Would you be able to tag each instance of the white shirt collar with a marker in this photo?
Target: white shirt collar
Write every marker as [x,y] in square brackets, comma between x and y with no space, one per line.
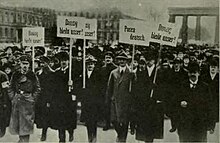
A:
[40,71]
[122,68]
[150,69]
[64,69]
[193,83]
[89,73]
[135,70]
[212,75]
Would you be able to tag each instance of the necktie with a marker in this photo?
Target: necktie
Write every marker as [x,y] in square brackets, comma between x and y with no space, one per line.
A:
[122,72]
[193,85]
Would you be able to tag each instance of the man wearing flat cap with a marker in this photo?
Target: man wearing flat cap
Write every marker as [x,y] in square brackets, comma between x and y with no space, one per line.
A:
[23,92]
[45,76]
[118,94]
[63,103]
[194,103]
[105,72]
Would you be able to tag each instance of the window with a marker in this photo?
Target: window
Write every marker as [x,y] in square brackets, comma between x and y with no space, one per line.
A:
[12,32]
[6,32]
[1,32]
[7,16]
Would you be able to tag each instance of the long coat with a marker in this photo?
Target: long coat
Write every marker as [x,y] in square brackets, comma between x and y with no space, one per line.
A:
[214,88]
[91,98]
[195,119]
[119,95]
[147,113]
[63,107]
[23,92]
[5,104]
[105,73]
[42,113]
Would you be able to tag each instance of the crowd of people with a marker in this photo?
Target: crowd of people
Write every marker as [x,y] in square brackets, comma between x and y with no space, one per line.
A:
[180,83]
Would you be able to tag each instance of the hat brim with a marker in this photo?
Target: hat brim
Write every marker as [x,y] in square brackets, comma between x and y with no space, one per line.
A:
[122,57]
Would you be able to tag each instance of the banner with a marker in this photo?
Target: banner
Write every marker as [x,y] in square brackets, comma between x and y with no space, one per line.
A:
[76,27]
[33,36]
[90,29]
[70,27]
[134,32]
[165,33]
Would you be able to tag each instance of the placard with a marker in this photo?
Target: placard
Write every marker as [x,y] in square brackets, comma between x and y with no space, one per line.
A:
[33,36]
[134,32]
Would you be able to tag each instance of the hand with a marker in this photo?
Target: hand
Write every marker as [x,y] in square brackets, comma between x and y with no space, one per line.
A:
[211,131]
[70,83]
[183,104]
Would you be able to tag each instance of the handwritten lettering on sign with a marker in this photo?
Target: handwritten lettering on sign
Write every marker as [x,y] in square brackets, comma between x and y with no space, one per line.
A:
[33,36]
[166,34]
[133,32]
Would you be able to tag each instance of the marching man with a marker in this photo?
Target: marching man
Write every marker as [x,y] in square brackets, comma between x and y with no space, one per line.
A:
[23,92]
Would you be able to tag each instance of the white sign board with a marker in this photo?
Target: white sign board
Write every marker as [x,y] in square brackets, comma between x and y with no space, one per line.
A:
[134,32]
[33,36]
[70,27]
[90,29]
[76,27]
[165,33]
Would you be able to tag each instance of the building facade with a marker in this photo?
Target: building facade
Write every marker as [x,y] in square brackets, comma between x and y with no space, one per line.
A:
[13,19]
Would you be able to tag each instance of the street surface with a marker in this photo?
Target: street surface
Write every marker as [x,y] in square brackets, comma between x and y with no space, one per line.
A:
[103,136]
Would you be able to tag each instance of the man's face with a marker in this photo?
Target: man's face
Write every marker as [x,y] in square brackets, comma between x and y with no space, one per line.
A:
[90,66]
[176,66]
[142,66]
[135,64]
[64,63]
[7,70]
[213,69]
[150,63]
[25,66]
[186,61]
[122,62]
[43,64]
[108,59]
[194,76]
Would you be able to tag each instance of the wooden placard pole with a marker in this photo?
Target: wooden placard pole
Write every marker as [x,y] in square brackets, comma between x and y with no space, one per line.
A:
[156,70]
[70,64]
[33,54]
[132,63]
[84,63]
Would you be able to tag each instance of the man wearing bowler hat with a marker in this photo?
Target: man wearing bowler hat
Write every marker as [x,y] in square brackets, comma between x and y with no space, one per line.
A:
[118,94]
[23,92]
[63,103]
[194,105]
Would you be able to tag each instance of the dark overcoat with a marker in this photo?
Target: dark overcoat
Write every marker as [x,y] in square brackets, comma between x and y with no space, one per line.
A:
[119,95]
[195,119]
[23,92]
[42,106]
[63,106]
[5,103]
[148,112]
[214,88]
[90,97]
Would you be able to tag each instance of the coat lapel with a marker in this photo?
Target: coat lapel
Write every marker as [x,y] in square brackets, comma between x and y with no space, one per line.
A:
[124,75]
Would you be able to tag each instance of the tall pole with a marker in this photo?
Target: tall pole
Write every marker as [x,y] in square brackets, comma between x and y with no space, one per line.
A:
[70,63]
[132,63]
[84,63]
[33,58]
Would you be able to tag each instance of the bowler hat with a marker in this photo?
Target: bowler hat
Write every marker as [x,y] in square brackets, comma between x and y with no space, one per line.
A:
[122,55]
[45,59]
[25,58]
[90,59]
[193,67]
